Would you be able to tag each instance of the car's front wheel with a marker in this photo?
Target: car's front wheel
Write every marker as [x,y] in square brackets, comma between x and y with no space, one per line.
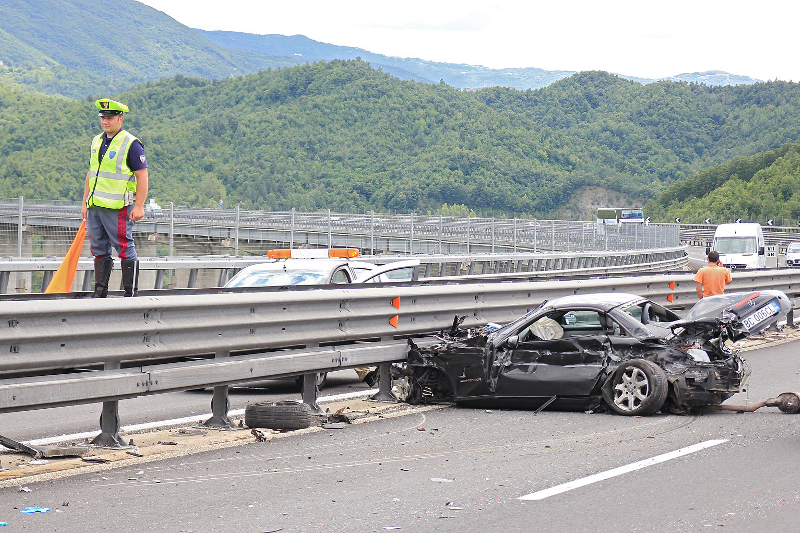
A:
[636,388]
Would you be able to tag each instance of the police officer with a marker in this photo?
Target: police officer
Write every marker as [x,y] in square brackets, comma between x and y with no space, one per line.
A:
[113,198]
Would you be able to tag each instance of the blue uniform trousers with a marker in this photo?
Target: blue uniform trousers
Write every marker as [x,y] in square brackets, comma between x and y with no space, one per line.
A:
[109,228]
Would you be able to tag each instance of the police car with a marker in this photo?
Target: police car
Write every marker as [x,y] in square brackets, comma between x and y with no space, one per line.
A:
[321,267]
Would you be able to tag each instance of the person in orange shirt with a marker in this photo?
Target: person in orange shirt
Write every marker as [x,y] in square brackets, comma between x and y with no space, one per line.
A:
[712,278]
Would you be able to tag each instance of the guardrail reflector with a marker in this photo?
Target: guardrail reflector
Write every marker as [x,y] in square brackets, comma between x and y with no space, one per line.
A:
[393,320]
[396,302]
[669,298]
[671,286]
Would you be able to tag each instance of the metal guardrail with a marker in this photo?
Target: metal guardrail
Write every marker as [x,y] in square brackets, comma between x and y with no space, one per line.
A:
[234,335]
[431,266]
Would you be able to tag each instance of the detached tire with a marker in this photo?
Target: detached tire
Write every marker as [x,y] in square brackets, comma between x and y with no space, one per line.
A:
[278,415]
[636,388]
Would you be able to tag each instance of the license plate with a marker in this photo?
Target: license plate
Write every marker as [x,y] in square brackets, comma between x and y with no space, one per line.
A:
[761,315]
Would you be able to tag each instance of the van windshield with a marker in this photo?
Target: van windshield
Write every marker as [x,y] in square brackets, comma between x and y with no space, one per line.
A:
[735,245]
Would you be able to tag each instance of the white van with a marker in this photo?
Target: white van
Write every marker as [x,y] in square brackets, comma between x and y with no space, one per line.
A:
[740,245]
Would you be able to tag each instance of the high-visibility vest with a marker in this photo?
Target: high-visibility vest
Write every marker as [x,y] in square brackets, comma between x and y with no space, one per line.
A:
[110,179]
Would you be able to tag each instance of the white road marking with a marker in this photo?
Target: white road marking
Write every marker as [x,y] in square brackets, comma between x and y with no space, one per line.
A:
[588,480]
[185,420]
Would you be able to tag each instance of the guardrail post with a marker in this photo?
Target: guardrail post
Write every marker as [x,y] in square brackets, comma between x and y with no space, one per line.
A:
[109,419]
[220,404]
[19,228]
[236,247]
[88,278]
[385,384]
[4,281]
[310,392]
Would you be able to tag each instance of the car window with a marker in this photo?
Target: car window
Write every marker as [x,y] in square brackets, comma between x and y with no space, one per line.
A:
[340,276]
[260,279]
[574,323]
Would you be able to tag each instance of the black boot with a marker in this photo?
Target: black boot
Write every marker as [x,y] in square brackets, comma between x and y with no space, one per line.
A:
[102,272]
[130,277]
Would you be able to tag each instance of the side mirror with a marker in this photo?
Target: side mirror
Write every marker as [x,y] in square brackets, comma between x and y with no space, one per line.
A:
[513,341]
[761,251]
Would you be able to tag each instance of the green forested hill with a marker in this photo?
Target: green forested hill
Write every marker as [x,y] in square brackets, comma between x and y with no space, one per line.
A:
[77,47]
[344,136]
[756,188]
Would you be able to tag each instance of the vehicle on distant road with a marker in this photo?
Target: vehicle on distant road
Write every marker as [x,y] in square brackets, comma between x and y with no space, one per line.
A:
[612,351]
[740,245]
[793,255]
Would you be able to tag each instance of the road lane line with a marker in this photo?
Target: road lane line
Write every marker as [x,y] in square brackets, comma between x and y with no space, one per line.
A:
[185,420]
[588,480]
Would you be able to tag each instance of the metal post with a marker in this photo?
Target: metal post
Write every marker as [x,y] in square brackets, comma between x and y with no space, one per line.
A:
[310,393]
[385,384]
[109,418]
[553,236]
[236,248]
[411,235]
[535,227]
[291,232]
[220,403]
[372,232]
[468,235]
[171,229]
[330,238]
[493,234]
[19,228]
[440,233]
[515,234]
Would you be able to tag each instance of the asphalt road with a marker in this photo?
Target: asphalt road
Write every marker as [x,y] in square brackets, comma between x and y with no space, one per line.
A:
[465,470]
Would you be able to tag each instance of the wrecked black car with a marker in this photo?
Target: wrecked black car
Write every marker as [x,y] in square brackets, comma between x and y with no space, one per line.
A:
[594,351]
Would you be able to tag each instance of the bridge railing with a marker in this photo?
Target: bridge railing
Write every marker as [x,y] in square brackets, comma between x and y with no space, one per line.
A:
[38,225]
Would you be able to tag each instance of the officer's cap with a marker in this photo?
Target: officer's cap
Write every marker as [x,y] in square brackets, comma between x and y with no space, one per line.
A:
[109,108]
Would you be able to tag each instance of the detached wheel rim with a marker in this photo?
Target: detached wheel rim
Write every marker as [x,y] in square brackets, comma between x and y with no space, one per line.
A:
[633,388]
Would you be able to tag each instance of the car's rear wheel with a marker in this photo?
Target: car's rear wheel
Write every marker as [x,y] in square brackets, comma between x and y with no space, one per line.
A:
[636,388]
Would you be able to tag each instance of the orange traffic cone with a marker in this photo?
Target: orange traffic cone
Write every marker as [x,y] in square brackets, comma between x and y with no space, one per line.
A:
[62,279]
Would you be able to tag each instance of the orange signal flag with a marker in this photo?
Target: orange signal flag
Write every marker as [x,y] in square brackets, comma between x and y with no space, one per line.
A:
[62,279]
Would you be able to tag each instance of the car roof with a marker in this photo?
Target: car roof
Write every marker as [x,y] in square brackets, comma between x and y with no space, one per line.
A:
[602,301]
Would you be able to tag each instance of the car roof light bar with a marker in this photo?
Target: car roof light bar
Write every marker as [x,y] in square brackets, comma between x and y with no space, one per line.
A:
[318,253]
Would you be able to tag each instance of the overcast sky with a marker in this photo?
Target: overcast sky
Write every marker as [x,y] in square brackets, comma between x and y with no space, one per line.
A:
[644,38]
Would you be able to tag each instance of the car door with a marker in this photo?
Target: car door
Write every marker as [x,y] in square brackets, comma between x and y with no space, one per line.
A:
[567,364]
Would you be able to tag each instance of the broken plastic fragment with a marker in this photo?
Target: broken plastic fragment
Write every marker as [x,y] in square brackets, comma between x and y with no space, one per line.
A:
[35,509]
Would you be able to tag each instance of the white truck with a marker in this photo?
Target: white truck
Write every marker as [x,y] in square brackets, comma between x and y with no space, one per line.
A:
[740,245]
